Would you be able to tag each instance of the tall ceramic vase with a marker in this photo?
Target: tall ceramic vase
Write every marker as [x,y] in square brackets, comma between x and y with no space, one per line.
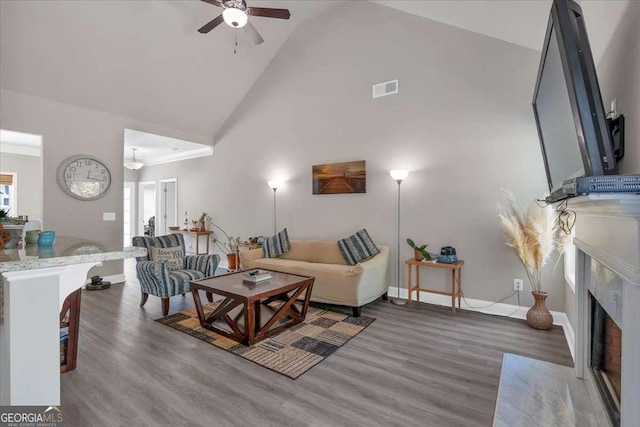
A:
[538,316]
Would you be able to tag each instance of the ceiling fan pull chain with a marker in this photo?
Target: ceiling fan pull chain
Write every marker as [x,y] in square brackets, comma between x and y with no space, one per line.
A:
[235,40]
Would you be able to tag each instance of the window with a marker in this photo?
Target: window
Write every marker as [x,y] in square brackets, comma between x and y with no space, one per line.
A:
[8,191]
[570,264]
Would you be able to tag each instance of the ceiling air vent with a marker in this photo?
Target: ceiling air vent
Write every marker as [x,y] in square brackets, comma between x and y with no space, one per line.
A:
[386,88]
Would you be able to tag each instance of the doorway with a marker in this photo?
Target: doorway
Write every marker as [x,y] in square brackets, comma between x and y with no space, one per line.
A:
[146,208]
[168,205]
[21,177]
[129,214]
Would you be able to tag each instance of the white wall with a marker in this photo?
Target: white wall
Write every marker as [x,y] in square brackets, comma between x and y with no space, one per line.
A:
[29,179]
[462,123]
[69,130]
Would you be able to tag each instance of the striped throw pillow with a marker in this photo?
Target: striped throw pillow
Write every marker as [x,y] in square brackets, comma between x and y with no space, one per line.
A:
[276,245]
[358,247]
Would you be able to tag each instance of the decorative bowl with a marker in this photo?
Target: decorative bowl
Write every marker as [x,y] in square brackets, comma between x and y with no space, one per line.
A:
[174,228]
[47,238]
[31,237]
[434,258]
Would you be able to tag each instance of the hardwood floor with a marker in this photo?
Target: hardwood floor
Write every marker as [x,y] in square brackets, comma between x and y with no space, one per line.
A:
[411,367]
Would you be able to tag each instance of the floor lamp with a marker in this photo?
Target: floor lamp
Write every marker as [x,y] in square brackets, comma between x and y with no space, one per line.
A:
[274,186]
[399,176]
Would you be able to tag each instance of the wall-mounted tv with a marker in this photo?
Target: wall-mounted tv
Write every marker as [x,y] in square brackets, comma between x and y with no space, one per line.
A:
[567,104]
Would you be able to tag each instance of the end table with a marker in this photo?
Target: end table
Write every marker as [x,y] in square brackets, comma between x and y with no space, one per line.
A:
[456,278]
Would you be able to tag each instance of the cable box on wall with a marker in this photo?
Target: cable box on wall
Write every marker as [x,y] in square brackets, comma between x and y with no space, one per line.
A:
[602,184]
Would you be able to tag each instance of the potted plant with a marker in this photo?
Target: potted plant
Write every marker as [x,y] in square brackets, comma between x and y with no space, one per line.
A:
[228,245]
[420,252]
[202,222]
[534,234]
[4,214]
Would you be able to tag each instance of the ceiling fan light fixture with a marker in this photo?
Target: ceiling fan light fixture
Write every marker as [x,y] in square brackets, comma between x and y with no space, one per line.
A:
[234,17]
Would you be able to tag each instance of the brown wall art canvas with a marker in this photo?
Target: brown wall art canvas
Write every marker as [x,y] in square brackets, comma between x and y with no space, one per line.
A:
[340,178]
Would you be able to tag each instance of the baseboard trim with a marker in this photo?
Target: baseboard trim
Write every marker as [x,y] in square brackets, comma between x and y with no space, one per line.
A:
[115,278]
[495,309]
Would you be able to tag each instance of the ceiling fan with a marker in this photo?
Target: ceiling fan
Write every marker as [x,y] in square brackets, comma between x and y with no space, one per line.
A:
[236,15]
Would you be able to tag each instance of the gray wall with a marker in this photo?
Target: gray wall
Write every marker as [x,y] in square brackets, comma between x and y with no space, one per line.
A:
[29,170]
[462,123]
[619,77]
[68,130]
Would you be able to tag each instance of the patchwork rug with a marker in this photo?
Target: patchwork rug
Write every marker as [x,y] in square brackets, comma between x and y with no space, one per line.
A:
[293,351]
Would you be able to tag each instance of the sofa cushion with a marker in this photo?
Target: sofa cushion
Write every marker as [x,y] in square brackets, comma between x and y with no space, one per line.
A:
[173,257]
[320,251]
[276,245]
[180,280]
[358,247]
[338,273]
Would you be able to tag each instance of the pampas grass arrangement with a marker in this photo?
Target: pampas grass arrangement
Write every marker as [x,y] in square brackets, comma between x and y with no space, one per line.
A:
[534,234]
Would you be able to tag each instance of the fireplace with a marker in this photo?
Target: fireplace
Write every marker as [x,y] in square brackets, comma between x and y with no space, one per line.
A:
[607,290]
[606,358]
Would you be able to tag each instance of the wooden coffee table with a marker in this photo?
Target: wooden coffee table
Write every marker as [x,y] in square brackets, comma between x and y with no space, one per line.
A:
[245,313]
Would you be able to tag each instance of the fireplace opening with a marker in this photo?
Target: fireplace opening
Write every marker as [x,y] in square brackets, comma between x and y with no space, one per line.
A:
[606,359]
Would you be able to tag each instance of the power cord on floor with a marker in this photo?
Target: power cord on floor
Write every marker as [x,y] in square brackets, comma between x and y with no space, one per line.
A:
[496,302]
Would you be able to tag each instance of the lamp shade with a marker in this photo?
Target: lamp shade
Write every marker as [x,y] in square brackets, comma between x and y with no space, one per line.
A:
[134,166]
[274,184]
[399,174]
[235,18]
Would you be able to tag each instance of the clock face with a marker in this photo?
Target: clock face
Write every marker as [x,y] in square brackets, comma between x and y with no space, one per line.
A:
[84,177]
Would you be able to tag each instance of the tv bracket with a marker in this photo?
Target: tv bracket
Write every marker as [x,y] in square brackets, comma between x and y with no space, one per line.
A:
[616,128]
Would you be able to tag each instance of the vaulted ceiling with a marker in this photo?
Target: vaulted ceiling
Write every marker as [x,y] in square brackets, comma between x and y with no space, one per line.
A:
[139,59]
[145,59]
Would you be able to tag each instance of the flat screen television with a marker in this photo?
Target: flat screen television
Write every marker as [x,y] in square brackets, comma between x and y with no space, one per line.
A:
[570,117]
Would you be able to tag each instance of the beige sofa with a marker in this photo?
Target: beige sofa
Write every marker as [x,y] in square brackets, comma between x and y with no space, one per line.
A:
[336,282]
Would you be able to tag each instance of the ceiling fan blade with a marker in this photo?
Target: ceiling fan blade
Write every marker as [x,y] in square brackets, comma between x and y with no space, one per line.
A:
[211,25]
[269,13]
[213,2]
[255,37]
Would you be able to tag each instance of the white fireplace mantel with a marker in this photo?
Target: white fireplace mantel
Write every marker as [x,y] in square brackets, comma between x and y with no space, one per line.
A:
[608,231]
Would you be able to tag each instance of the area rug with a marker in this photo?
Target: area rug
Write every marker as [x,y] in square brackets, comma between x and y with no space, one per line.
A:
[293,351]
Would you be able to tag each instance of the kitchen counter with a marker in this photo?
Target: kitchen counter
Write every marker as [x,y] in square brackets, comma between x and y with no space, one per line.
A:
[36,280]
[65,251]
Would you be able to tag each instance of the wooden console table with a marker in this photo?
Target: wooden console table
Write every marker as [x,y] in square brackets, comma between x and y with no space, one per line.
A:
[198,234]
[456,278]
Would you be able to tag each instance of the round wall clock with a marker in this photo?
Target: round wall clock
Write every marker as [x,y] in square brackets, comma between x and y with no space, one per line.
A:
[84,177]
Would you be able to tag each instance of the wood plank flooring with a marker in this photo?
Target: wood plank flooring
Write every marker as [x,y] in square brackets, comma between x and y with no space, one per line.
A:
[411,367]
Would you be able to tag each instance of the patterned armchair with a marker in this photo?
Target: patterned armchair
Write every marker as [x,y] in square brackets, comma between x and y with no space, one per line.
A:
[157,280]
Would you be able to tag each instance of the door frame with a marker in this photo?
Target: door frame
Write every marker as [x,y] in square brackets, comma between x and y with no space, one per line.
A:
[140,211]
[160,214]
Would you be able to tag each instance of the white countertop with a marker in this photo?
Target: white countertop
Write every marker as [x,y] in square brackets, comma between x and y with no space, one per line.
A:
[65,251]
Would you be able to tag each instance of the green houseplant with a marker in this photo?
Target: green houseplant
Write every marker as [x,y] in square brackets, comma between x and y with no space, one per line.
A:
[4,214]
[420,252]
[228,245]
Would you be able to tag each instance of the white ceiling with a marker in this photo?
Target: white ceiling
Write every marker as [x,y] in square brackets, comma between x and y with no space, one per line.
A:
[139,59]
[157,149]
[522,22]
[20,143]
[145,59]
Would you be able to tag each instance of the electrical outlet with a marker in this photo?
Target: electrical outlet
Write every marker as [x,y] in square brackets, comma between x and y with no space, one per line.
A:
[518,285]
